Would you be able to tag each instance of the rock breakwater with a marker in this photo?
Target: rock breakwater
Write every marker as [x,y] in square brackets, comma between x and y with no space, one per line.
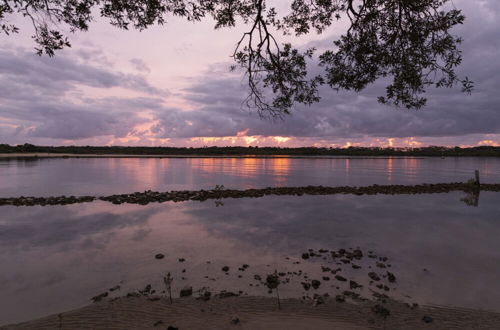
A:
[149,196]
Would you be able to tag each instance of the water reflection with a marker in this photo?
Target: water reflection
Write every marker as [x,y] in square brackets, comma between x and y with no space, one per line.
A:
[471,198]
[56,258]
[46,177]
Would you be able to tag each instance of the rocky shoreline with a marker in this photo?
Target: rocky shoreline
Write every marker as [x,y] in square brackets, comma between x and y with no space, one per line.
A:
[219,192]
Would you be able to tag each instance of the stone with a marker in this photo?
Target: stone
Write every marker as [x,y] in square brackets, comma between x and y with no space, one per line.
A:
[374,276]
[391,277]
[116,287]
[99,297]
[227,294]
[186,291]
[381,310]
[159,256]
[340,278]
[427,319]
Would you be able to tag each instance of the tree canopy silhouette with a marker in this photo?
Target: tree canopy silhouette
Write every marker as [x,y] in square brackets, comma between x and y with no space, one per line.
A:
[408,42]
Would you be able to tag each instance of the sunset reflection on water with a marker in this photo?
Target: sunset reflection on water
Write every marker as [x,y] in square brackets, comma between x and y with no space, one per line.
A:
[104,176]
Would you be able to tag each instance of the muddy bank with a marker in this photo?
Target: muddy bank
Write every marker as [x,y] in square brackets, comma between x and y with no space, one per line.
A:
[259,313]
[220,192]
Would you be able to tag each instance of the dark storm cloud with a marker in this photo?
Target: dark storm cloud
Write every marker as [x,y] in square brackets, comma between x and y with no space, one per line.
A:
[36,96]
[59,74]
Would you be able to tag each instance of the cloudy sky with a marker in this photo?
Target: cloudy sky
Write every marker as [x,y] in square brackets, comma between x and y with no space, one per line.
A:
[171,86]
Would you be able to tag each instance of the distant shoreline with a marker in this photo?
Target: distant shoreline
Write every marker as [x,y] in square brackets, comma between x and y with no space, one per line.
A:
[29,150]
[69,155]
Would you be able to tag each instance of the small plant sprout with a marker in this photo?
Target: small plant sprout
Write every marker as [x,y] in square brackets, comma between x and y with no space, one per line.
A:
[168,284]
[272,282]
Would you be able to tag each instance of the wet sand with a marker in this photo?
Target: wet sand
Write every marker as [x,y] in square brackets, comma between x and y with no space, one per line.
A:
[258,313]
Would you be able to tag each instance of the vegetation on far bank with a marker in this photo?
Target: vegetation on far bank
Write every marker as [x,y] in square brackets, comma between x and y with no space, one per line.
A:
[482,151]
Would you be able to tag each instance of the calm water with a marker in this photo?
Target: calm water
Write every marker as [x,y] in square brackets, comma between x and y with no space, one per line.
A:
[102,176]
[56,258]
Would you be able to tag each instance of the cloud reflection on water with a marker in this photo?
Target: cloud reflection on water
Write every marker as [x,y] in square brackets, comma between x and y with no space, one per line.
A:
[55,258]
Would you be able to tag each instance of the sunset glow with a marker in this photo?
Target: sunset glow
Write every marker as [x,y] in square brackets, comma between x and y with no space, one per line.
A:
[181,93]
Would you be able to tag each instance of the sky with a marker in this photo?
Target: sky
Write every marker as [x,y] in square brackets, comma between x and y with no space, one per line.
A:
[171,86]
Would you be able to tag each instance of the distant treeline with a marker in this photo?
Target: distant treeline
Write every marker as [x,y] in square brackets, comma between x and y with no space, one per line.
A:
[485,151]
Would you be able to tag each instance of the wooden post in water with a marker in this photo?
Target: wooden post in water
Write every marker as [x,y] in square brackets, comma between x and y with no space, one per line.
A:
[477,177]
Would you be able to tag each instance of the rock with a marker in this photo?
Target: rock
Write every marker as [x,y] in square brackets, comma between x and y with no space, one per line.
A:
[354,285]
[380,296]
[374,276]
[159,256]
[99,297]
[157,323]
[340,278]
[339,298]
[205,296]
[318,300]
[147,290]
[305,255]
[315,284]
[335,271]
[225,269]
[326,278]
[235,320]
[355,266]
[116,287]
[391,277]
[133,294]
[182,259]
[227,294]
[306,286]
[381,310]
[172,328]
[427,319]
[186,291]
[357,254]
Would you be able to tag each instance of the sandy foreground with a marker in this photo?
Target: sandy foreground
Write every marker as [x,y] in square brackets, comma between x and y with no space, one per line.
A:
[258,313]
